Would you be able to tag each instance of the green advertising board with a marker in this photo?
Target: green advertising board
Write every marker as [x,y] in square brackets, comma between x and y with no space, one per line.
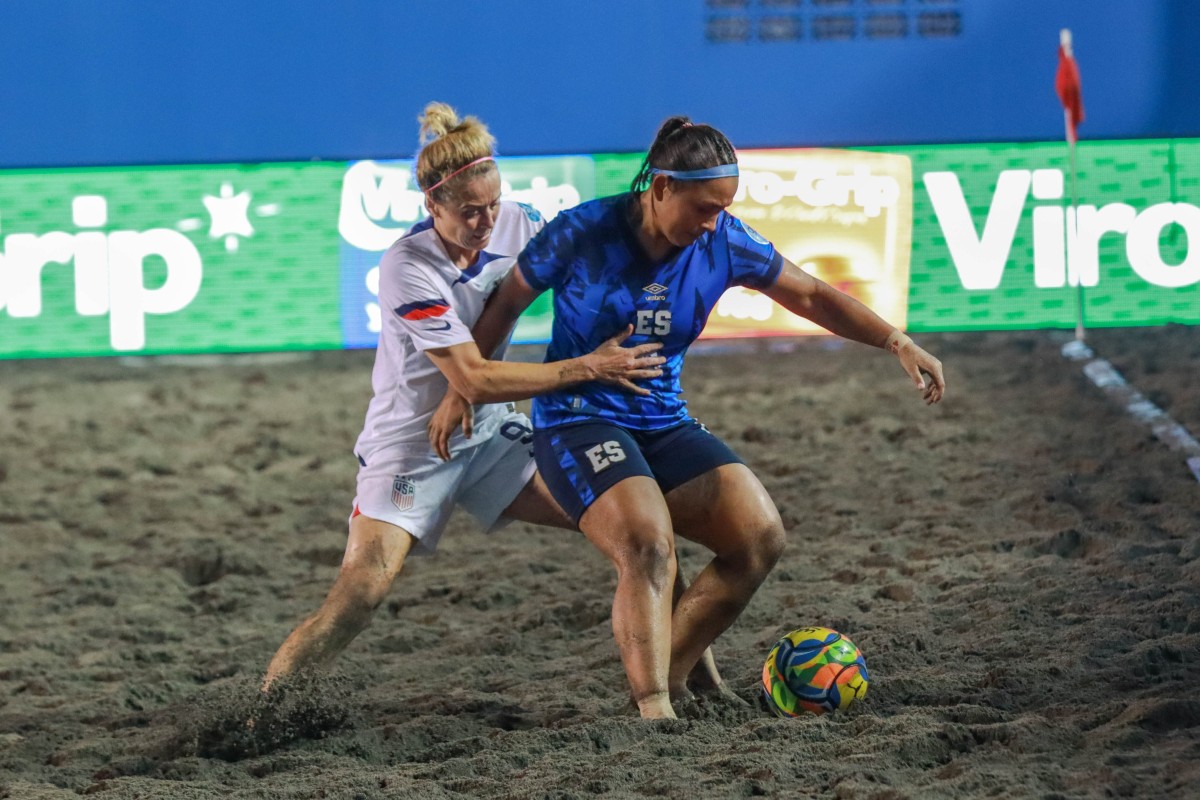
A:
[226,258]
[169,259]
[615,171]
[991,248]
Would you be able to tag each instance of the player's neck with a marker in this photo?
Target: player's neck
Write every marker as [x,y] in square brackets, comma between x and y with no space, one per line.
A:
[654,244]
[459,257]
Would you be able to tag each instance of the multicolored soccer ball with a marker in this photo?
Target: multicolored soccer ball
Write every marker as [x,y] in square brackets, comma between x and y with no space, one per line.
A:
[813,670]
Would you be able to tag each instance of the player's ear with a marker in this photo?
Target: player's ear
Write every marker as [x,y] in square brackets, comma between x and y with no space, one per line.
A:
[432,207]
[660,186]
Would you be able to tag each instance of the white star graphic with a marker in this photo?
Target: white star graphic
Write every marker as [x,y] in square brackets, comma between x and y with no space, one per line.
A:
[230,216]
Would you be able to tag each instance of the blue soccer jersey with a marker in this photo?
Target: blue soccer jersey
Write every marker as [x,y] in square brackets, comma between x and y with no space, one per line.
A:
[602,282]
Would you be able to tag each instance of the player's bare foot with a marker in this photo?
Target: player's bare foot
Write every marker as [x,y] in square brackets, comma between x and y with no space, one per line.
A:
[723,694]
[704,679]
[678,693]
[656,706]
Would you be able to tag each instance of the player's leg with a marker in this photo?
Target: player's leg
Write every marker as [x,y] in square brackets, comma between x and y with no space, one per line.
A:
[535,504]
[716,501]
[630,525]
[374,556]
[598,475]
[403,501]
[728,511]
[704,677]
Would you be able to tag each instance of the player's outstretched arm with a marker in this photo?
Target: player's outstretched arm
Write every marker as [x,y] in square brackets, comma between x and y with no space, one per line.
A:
[917,363]
[841,314]
[479,380]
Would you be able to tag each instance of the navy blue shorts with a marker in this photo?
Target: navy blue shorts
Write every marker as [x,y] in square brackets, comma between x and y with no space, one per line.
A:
[581,461]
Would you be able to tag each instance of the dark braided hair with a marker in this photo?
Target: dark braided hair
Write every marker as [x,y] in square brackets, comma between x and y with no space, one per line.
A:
[680,145]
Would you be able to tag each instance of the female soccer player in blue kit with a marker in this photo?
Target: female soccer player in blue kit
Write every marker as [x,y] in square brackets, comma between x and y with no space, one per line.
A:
[628,468]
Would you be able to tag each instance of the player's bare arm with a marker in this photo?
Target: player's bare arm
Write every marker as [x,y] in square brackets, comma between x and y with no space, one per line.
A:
[841,314]
[499,317]
[451,412]
[476,379]
[480,380]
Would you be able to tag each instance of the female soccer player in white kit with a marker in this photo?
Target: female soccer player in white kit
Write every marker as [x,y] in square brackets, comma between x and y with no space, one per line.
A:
[433,284]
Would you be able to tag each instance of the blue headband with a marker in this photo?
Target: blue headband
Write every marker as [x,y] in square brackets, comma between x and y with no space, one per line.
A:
[721,171]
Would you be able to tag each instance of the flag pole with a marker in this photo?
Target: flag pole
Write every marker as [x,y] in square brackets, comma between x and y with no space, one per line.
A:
[1072,238]
[1072,213]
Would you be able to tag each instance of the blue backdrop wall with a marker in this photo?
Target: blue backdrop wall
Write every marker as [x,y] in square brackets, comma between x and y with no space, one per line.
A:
[169,81]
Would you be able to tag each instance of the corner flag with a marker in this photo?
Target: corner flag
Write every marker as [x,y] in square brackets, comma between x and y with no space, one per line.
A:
[1066,83]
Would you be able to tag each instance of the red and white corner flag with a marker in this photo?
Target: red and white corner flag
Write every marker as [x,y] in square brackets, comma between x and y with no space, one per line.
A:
[1066,83]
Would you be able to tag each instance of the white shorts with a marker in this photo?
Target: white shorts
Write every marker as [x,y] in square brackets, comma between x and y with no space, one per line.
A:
[417,490]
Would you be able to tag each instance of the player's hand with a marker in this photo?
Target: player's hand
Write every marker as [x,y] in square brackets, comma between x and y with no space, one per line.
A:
[621,366]
[453,411]
[924,369]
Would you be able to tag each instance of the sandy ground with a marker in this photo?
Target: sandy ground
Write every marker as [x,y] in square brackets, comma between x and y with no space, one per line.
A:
[1021,567]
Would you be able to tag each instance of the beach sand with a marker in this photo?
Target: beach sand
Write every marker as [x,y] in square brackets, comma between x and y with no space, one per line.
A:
[1020,566]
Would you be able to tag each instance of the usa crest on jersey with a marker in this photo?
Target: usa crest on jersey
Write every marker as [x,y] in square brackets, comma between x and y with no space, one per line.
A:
[404,492]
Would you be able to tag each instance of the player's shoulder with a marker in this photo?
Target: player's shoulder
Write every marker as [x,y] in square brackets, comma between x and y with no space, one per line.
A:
[417,239]
[589,214]
[516,224]
[417,250]
[603,208]
[521,212]
[736,228]
[519,219]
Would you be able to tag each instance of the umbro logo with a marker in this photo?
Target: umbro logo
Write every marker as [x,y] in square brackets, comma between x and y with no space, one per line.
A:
[657,292]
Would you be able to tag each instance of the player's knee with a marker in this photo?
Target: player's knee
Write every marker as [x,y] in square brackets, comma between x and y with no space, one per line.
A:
[358,594]
[370,595]
[768,545]
[760,545]
[649,553]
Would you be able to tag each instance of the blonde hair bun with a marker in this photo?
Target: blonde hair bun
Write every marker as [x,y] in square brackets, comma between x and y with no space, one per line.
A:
[437,120]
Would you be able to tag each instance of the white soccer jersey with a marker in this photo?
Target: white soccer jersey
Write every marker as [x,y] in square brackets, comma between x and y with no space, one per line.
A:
[427,302]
